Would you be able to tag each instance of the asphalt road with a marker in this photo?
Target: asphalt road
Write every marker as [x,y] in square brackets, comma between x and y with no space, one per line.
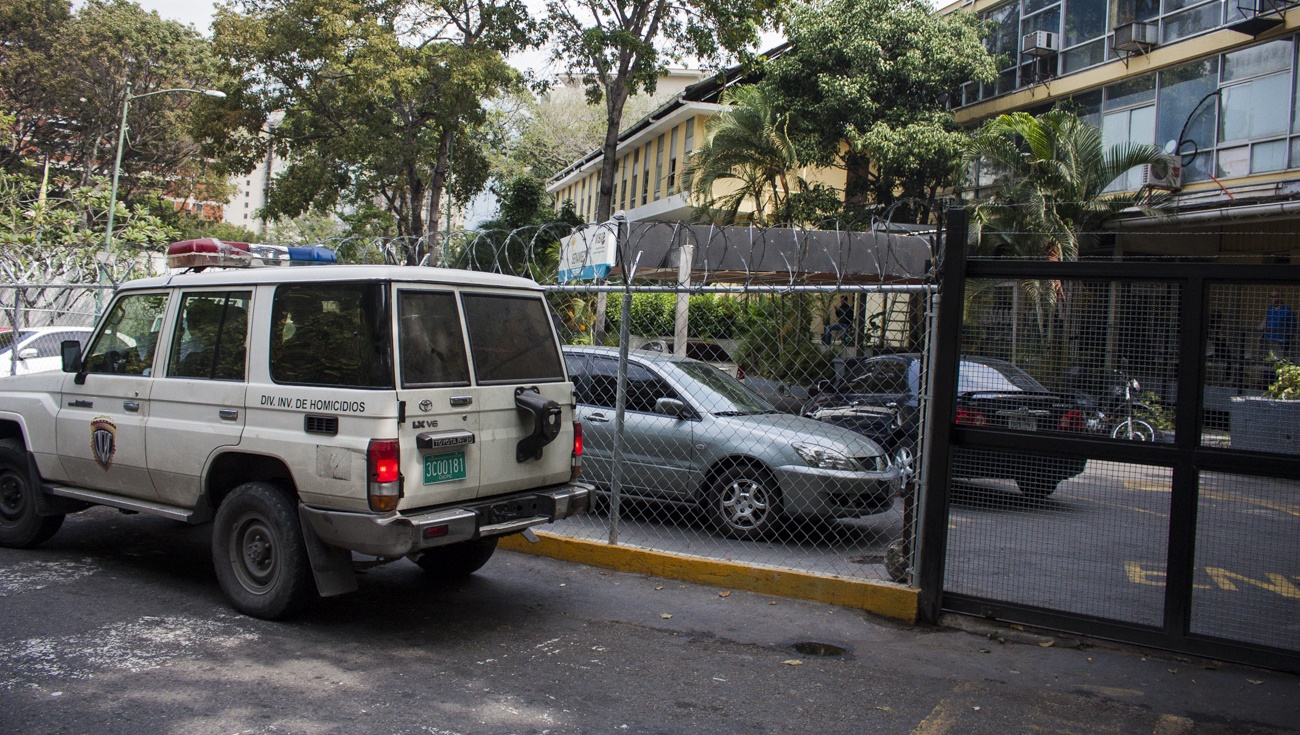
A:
[117,626]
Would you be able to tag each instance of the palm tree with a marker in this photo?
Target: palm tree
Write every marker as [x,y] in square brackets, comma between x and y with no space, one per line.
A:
[1051,200]
[747,150]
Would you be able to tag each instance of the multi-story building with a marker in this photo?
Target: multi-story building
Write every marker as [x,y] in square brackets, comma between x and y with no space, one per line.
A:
[1212,82]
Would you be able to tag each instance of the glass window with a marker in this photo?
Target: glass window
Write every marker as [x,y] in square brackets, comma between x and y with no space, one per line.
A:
[1192,21]
[1135,91]
[1127,11]
[1033,6]
[1048,20]
[1270,156]
[672,161]
[511,339]
[1250,111]
[645,177]
[1084,20]
[659,167]
[129,338]
[1128,126]
[1234,161]
[880,377]
[1087,106]
[1182,89]
[1256,60]
[211,338]
[1083,56]
[430,339]
[335,334]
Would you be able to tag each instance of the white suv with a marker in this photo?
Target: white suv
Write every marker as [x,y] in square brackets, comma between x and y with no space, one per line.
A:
[309,413]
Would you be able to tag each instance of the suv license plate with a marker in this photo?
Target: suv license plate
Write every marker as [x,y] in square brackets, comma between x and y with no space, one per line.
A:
[1022,424]
[444,467]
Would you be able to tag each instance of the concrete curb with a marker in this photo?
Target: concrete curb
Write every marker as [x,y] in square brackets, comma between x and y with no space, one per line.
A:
[880,598]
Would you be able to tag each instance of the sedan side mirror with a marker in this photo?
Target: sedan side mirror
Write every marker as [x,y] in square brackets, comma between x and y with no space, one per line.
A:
[70,350]
[672,407]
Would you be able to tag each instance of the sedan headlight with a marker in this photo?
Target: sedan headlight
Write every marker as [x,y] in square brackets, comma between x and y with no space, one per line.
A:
[826,459]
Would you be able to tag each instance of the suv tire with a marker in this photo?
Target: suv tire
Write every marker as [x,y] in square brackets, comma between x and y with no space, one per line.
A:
[744,503]
[457,561]
[20,526]
[259,553]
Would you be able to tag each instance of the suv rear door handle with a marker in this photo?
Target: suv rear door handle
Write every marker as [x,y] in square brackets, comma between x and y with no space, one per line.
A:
[461,401]
[228,414]
[597,417]
[131,406]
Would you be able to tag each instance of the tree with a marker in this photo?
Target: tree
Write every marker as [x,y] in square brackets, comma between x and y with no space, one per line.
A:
[1050,200]
[620,47]
[876,74]
[64,75]
[747,151]
[524,236]
[377,97]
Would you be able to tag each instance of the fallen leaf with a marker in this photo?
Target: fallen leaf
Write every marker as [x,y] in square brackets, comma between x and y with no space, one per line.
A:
[659,587]
[882,708]
[1173,671]
[792,662]
[724,594]
[771,603]
[1017,626]
[984,650]
[665,616]
[977,709]
[1255,681]
[1047,644]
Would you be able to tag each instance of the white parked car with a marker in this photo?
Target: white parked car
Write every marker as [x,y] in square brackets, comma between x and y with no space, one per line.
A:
[35,350]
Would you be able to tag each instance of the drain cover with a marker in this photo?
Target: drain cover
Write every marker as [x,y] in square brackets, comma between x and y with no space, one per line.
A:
[817,648]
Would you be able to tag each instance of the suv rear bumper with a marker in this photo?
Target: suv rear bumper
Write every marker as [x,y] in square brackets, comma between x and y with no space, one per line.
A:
[396,535]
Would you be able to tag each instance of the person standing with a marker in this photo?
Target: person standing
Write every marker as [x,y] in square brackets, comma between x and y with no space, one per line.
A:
[1279,327]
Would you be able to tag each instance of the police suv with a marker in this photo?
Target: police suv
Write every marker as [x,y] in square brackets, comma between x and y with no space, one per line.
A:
[309,413]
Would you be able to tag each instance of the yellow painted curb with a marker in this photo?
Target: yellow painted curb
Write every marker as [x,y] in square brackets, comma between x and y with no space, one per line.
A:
[888,600]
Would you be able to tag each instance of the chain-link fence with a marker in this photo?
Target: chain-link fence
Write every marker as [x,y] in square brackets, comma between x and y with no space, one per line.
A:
[36,318]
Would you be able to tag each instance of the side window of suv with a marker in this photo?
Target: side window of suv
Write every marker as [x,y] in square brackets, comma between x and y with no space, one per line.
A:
[512,339]
[331,334]
[211,337]
[430,339]
[127,343]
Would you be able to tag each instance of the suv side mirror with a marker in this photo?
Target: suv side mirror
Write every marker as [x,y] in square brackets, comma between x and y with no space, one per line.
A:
[70,350]
[672,407]
[28,353]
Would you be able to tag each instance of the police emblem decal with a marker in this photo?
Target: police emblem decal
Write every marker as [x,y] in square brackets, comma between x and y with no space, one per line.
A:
[103,441]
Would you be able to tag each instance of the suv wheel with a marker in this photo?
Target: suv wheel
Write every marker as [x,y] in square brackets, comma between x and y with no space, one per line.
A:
[744,503]
[20,526]
[457,561]
[259,553]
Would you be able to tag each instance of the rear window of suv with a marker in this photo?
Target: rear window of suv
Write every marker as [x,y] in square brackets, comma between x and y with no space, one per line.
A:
[333,334]
[511,340]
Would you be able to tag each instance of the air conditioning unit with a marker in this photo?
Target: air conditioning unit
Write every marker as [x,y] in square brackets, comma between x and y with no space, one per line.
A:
[1040,43]
[1167,176]
[1136,37]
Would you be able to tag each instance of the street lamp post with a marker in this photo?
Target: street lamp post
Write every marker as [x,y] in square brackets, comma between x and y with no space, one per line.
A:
[117,163]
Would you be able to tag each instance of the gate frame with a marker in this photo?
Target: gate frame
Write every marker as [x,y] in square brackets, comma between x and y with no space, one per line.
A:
[1186,456]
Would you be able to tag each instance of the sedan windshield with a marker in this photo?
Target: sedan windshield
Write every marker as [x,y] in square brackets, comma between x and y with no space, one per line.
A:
[719,393]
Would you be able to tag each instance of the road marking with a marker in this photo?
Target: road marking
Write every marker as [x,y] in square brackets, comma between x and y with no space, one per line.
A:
[1147,485]
[1154,575]
[945,714]
[1238,497]
[1173,725]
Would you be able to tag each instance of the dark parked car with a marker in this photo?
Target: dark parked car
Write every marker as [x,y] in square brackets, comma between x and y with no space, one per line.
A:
[878,397]
[694,434]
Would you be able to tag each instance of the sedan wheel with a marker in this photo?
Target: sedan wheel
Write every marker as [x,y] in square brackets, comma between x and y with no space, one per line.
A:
[744,503]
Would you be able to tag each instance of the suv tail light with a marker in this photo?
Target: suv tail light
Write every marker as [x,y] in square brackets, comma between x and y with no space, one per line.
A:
[577,450]
[383,470]
[971,417]
[740,373]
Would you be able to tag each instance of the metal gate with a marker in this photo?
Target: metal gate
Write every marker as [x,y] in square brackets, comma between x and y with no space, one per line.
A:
[1104,457]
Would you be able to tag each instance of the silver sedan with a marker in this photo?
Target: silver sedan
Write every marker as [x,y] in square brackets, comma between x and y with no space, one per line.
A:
[694,434]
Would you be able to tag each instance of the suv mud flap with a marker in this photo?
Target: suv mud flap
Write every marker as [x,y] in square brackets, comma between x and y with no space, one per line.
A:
[331,566]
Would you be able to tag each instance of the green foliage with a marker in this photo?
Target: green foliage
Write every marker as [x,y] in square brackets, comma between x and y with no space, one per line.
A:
[1160,416]
[746,152]
[1287,385]
[48,240]
[710,316]
[524,237]
[777,341]
[381,102]
[620,47]
[65,76]
[878,73]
